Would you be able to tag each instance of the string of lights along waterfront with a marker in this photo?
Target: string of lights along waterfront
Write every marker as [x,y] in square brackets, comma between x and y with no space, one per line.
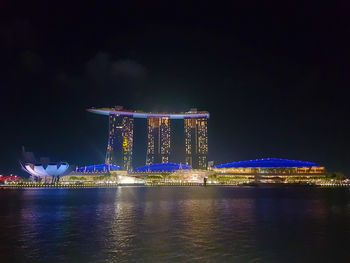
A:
[121,134]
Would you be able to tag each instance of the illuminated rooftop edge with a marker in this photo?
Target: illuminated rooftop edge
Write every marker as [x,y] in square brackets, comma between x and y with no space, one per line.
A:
[268,163]
[144,115]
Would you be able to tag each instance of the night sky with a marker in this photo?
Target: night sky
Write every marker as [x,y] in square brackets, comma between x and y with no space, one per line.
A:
[274,77]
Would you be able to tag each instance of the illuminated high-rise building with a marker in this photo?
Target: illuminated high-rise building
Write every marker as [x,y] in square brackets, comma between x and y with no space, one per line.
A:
[196,142]
[120,141]
[158,140]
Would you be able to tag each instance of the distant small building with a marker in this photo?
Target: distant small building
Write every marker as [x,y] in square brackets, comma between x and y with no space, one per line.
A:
[10,179]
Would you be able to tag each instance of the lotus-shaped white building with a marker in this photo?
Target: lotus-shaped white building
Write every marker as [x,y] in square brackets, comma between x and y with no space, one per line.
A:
[52,169]
[49,171]
[45,169]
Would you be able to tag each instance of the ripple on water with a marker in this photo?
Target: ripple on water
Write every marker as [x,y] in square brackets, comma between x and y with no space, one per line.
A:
[176,224]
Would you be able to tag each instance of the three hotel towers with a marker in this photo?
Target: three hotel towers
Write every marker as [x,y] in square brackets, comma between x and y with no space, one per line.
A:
[121,134]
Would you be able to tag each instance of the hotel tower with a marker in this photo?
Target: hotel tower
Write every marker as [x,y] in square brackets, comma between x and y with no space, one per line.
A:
[196,142]
[120,141]
[158,140]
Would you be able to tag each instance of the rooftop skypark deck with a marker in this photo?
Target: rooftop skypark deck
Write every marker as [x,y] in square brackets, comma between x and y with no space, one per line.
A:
[145,115]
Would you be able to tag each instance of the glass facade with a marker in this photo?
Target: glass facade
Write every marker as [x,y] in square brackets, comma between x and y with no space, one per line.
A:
[120,141]
[196,142]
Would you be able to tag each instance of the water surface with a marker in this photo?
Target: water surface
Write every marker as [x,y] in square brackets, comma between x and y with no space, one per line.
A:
[176,224]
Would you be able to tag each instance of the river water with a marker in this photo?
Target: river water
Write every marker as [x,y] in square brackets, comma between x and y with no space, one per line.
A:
[176,224]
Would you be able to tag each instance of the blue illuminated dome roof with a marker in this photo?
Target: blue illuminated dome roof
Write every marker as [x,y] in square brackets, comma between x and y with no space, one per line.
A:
[267,163]
[162,167]
[98,168]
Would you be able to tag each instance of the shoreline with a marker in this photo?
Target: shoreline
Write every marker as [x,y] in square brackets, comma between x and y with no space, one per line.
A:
[77,186]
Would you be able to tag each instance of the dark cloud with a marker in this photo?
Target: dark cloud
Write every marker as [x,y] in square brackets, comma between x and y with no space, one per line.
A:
[103,68]
[128,68]
[102,74]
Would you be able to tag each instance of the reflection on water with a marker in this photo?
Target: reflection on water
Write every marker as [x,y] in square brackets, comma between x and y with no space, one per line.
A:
[175,224]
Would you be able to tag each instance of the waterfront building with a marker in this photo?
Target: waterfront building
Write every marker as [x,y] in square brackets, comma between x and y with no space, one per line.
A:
[172,173]
[45,169]
[270,168]
[105,174]
[158,136]
[161,168]
[120,140]
[10,179]
[196,142]
[97,169]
